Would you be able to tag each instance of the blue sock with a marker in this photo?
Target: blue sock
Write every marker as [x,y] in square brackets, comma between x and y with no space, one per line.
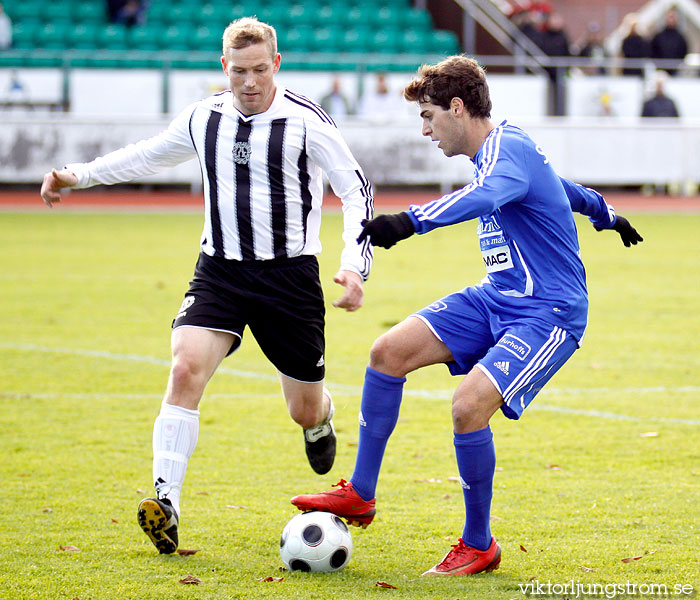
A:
[379,411]
[476,460]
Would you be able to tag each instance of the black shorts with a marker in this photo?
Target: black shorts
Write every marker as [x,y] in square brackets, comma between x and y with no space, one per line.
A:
[281,300]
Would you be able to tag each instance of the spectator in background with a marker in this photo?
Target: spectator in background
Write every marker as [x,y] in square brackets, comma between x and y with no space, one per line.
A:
[635,45]
[660,105]
[335,103]
[555,43]
[131,13]
[528,22]
[669,43]
[5,29]
[593,48]
[379,103]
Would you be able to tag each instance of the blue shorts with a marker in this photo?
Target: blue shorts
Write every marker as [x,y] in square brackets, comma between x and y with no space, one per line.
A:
[519,354]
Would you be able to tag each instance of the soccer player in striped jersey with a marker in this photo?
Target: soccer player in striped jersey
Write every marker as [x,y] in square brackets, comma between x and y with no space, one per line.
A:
[262,150]
[510,333]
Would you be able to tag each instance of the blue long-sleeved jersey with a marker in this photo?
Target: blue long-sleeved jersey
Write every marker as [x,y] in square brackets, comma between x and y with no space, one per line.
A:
[526,228]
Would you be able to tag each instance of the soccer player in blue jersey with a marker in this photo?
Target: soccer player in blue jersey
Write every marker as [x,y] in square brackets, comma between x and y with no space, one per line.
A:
[510,333]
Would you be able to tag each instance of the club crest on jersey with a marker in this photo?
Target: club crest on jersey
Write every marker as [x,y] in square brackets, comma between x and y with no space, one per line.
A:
[241,153]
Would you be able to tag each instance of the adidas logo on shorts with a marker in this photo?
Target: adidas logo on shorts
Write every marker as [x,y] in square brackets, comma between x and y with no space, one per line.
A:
[502,365]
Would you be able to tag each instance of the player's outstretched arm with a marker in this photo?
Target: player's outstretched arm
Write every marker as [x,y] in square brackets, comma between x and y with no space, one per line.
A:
[54,182]
[386,230]
[352,298]
[628,234]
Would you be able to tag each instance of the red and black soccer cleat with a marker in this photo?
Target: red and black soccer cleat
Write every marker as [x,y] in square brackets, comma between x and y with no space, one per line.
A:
[465,560]
[344,502]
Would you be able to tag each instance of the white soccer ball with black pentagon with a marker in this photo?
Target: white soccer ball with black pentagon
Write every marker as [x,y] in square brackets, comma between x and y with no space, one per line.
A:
[316,541]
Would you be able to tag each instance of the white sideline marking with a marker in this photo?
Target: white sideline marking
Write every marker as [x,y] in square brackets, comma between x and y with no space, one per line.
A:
[356,390]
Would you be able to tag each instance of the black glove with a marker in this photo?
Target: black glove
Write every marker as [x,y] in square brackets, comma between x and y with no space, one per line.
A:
[386,230]
[628,234]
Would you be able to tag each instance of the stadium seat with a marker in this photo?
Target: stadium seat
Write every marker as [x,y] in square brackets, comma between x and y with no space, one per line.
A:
[414,18]
[112,37]
[415,42]
[182,14]
[82,36]
[26,11]
[25,34]
[206,38]
[90,12]
[144,37]
[177,37]
[386,41]
[327,39]
[444,42]
[52,36]
[296,39]
[58,12]
[357,39]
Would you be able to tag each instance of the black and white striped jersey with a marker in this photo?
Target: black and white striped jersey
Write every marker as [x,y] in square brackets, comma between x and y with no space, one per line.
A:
[262,176]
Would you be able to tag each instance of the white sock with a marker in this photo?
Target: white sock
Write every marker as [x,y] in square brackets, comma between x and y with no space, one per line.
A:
[175,435]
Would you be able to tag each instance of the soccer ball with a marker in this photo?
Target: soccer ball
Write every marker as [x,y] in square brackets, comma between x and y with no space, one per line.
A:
[316,541]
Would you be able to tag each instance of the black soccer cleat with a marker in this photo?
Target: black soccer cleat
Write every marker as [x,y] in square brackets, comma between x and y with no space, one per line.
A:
[159,521]
[320,443]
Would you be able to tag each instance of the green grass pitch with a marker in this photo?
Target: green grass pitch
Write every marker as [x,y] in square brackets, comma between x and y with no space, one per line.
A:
[604,466]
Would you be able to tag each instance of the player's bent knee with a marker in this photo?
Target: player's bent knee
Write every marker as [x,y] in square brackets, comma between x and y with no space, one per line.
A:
[387,357]
[186,375]
[472,413]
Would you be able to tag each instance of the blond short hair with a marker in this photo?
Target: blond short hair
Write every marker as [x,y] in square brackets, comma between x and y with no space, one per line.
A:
[247,31]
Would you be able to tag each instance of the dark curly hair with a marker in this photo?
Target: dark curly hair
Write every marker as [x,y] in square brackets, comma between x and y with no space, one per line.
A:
[455,77]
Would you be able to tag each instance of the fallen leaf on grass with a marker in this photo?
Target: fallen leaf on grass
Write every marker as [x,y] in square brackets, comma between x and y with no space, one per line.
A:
[191,580]
[523,548]
[186,552]
[236,507]
[553,467]
[587,569]
[626,560]
[495,518]
[140,491]
[70,548]
[47,510]
[649,434]
[384,584]
[270,578]
[202,493]
[351,443]
[455,479]
[115,521]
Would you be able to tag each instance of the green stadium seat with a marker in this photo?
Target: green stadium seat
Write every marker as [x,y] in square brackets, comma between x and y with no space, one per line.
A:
[444,42]
[158,13]
[182,14]
[413,41]
[386,41]
[332,15]
[387,16]
[25,34]
[357,39]
[52,36]
[112,37]
[177,37]
[206,38]
[90,12]
[296,39]
[58,12]
[327,39]
[83,36]
[277,16]
[26,11]
[144,37]
[414,18]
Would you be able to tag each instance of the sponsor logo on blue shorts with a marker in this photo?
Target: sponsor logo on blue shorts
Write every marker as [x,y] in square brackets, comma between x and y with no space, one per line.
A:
[514,345]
